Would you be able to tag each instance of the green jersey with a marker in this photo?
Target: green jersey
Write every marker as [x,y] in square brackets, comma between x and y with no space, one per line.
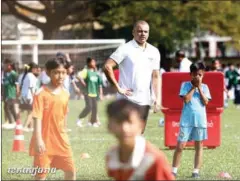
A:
[9,85]
[232,77]
[93,82]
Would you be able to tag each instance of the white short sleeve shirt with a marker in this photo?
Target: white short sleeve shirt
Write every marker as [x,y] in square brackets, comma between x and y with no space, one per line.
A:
[29,82]
[135,70]
[185,65]
[19,81]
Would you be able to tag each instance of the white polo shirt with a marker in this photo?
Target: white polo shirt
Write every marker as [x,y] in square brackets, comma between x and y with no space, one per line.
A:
[185,65]
[135,70]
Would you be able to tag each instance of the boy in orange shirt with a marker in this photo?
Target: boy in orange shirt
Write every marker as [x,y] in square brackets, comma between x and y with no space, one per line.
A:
[49,144]
[133,158]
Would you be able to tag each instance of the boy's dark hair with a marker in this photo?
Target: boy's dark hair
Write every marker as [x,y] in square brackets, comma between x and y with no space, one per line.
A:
[214,61]
[10,62]
[121,109]
[180,53]
[7,61]
[197,66]
[55,63]
[32,65]
[88,60]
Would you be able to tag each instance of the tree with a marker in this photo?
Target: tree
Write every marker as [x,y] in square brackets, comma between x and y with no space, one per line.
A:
[54,14]
[174,23]
[59,13]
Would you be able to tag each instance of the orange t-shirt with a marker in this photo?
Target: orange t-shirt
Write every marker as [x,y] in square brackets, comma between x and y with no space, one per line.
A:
[146,163]
[51,109]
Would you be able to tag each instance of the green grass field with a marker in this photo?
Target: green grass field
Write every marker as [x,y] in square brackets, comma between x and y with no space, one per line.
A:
[96,141]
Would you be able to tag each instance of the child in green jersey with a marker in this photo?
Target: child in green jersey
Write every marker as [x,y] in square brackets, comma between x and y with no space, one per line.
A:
[93,87]
[9,94]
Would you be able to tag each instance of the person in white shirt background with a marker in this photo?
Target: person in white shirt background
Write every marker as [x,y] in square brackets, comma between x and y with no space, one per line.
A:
[183,66]
[184,63]
[139,64]
[27,85]
[43,77]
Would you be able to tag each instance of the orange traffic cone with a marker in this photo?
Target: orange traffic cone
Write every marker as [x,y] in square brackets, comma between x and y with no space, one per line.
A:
[18,142]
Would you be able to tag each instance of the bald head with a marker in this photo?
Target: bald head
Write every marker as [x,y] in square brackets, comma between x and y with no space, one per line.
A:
[140,22]
[141,32]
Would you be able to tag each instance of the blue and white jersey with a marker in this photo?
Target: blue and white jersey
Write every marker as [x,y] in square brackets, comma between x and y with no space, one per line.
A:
[194,112]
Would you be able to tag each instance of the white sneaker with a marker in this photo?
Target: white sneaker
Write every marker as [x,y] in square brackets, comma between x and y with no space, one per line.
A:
[4,125]
[96,125]
[89,124]
[99,123]
[31,129]
[26,129]
[11,126]
[79,124]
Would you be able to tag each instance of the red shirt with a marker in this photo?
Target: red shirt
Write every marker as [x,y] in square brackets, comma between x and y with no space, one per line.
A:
[146,163]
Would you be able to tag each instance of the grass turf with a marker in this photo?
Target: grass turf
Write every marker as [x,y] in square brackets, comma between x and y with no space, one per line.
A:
[96,141]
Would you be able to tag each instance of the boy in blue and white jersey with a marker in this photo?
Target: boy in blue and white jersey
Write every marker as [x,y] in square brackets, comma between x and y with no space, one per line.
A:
[193,121]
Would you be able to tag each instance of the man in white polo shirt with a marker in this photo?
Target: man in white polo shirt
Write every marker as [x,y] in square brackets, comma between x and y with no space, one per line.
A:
[139,64]
[184,63]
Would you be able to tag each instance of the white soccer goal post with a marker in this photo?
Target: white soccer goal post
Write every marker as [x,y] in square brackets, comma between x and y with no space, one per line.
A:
[39,51]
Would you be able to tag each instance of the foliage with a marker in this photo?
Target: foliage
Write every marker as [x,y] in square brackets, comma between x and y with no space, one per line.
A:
[172,23]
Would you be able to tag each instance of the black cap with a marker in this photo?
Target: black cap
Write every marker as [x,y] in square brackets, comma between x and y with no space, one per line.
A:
[60,54]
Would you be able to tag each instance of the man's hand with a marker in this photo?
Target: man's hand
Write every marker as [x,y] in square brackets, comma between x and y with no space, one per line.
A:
[126,92]
[156,106]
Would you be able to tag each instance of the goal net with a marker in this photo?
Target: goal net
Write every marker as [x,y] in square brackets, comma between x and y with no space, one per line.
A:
[39,51]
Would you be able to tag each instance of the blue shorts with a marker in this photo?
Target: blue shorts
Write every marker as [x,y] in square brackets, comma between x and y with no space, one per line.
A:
[192,134]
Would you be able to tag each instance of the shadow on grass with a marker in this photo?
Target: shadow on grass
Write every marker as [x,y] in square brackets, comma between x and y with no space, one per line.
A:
[187,148]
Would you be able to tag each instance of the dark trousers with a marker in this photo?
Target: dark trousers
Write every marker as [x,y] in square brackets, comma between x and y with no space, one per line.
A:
[90,107]
[144,115]
[10,110]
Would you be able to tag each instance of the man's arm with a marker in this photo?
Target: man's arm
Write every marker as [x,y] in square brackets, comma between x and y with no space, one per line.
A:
[156,85]
[108,70]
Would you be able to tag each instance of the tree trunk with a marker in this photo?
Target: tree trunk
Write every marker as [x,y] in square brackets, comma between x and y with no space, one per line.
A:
[47,33]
